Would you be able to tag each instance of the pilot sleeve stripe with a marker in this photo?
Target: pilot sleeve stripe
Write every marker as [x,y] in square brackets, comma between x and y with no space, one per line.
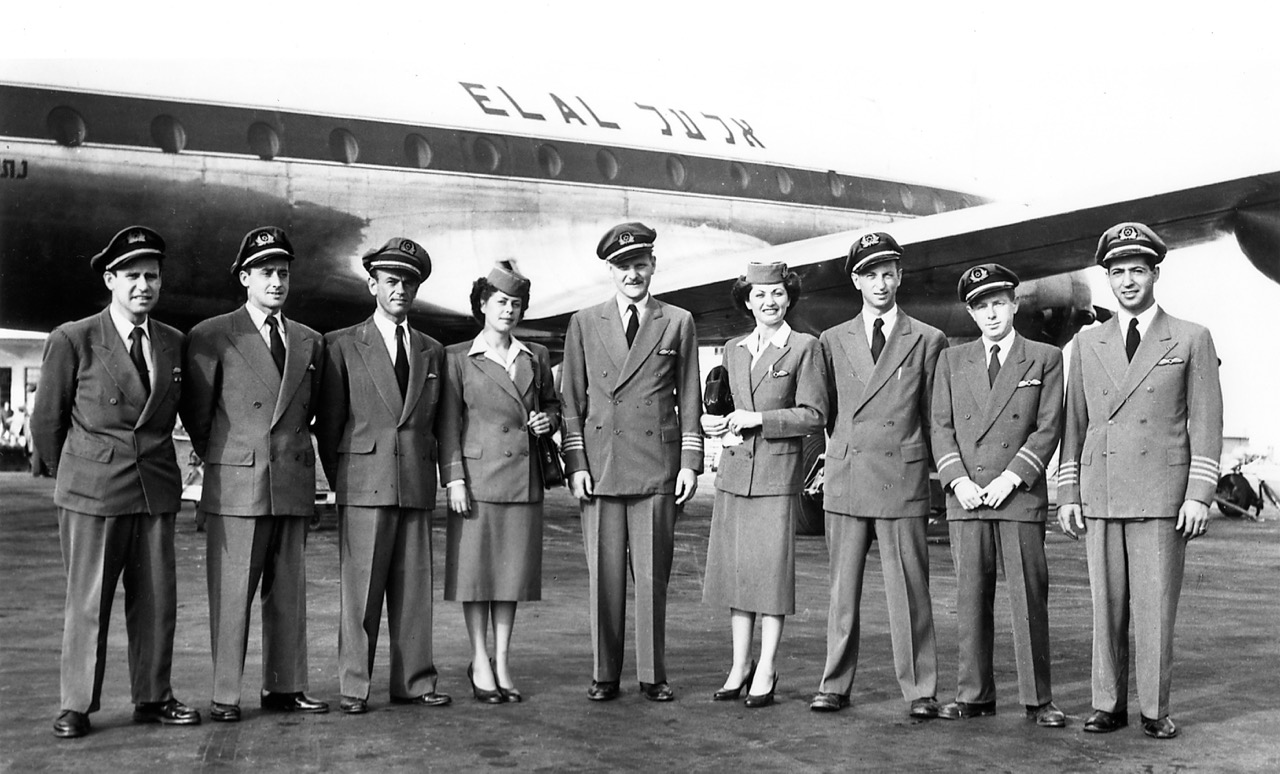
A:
[1031,457]
[948,459]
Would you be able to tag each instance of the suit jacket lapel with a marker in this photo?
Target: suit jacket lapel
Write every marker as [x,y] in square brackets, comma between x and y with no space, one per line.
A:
[1015,367]
[377,361]
[1155,345]
[296,362]
[740,378]
[857,352]
[419,370]
[897,346]
[652,327]
[765,365]
[498,375]
[164,360]
[120,366]
[609,327]
[524,375]
[249,343]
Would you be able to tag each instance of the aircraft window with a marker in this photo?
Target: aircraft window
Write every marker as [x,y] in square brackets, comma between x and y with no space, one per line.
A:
[167,133]
[343,146]
[550,161]
[836,184]
[417,150]
[485,154]
[264,141]
[607,164]
[740,175]
[907,196]
[785,186]
[676,171]
[66,126]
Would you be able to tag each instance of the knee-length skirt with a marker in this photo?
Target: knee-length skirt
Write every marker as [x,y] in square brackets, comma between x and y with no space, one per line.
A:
[494,554]
[751,555]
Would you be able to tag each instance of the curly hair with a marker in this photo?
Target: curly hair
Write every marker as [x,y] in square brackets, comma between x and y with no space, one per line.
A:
[482,288]
[742,289]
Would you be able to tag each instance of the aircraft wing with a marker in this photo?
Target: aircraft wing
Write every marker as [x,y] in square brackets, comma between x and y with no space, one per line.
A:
[1035,241]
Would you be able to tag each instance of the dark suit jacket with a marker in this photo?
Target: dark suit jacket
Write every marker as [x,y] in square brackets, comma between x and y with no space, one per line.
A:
[483,438]
[878,419]
[980,430]
[109,445]
[1143,436]
[632,417]
[788,386]
[248,422]
[377,448]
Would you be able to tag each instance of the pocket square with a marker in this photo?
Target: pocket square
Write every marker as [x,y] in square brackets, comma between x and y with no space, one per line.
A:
[311,366]
[667,352]
[779,373]
[177,374]
[1170,361]
[1029,383]
[432,376]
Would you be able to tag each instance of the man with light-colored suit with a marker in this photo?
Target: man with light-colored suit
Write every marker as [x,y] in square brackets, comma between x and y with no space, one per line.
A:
[997,418]
[1140,453]
[376,431]
[633,448]
[103,425]
[876,481]
[252,382]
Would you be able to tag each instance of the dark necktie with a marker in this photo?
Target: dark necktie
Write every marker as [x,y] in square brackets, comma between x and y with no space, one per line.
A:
[139,360]
[993,368]
[402,362]
[1132,340]
[877,339]
[277,343]
[633,324]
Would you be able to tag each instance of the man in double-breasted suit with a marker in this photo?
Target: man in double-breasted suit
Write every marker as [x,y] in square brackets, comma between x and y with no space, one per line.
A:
[252,382]
[997,418]
[103,425]
[376,432]
[633,449]
[876,480]
[1140,453]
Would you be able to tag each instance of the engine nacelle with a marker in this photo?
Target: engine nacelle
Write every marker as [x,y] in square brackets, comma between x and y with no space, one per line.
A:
[1258,234]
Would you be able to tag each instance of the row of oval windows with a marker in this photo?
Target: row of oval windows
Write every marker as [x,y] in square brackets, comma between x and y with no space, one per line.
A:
[67,127]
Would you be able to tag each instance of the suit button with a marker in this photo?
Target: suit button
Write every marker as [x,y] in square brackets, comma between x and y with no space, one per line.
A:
[966,416]
[888,454]
[506,453]
[1004,446]
[1106,392]
[885,486]
[1151,389]
[1111,421]
[889,423]
[748,455]
[980,468]
[1015,416]
[604,373]
[297,457]
[855,451]
[1104,454]
[114,401]
[1144,451]
[257,404]
[1142,421]
[648,432]
[505,429]
[648,402]
[617,432]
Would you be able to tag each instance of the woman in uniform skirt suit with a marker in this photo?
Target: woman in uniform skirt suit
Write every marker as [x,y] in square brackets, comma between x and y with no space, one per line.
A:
[778,382]
[498,392]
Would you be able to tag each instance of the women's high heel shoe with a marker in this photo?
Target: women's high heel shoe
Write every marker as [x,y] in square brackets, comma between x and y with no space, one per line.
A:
[487,697]
[732,694]
[755,701]
[512,694]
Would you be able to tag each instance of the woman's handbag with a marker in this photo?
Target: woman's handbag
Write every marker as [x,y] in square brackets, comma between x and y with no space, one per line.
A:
[544,446]
[716,398]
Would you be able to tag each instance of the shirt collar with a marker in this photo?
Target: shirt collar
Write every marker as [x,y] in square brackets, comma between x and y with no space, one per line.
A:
[624,302]
[259,317]
[890,319]
[1004,343]
[386,326]
[1144,320]
[778,339]
[125,328]
[480,346]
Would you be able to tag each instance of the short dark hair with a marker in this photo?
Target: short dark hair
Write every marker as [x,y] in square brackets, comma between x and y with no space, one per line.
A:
[741,289]
[482,289]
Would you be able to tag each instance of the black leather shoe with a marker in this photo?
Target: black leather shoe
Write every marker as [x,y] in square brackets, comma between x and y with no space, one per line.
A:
[293,702]
[1047,715]
[603,691]
[731,694]
[432,699]
[755,701]
[657,691]
[1163,728]
[71,725]
[924,708]
[961,710]
[350,705]
[493,696]
[1103,722]
[224,713]
[829,702]
[170,713]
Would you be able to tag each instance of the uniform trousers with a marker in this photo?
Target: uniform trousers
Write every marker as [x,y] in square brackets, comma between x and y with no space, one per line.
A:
[1135,569]
[904,562]
[635,532]
[96,551]
[241,552]
[977,547]
[386,552]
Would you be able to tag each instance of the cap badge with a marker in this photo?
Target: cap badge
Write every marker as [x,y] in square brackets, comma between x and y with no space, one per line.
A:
[136,236]
[408,247]
[1128,232]
[625,238]
[869,240]
[265,238]
[978,274]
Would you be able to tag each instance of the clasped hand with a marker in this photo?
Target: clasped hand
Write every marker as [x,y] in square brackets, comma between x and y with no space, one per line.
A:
[736,422]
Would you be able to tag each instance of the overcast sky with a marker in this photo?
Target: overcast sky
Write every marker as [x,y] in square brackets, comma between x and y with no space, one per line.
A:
[1003,99]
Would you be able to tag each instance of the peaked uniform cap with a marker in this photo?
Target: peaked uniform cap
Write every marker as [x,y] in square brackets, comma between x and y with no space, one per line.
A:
[262,244]
[624,241]
[400,254]
[128,245]
[870,249]
[985,278]
[1125,239]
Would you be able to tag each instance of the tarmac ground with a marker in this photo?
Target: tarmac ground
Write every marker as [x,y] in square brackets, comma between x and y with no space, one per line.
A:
[1226,674]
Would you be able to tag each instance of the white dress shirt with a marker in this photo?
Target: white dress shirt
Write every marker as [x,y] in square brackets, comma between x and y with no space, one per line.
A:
[869,320]
[387,329]
[259,318]
[624,302]
[756,346]
[125,328]
[1144,320]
